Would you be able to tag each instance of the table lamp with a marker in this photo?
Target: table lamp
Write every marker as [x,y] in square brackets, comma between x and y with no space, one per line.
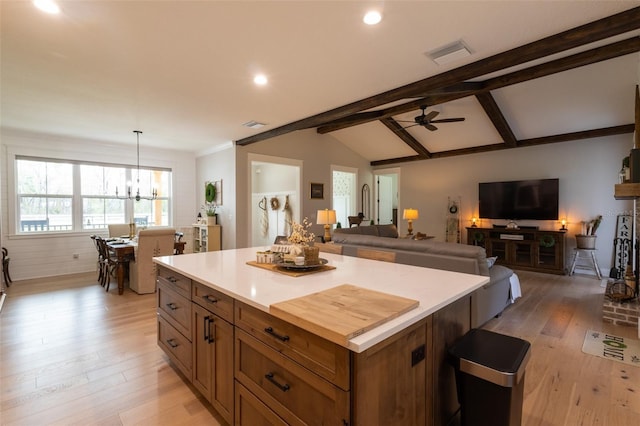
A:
[410,215]
[327,218]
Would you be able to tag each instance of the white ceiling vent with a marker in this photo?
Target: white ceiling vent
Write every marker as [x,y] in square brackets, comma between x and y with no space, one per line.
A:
[449,53]
[254,124]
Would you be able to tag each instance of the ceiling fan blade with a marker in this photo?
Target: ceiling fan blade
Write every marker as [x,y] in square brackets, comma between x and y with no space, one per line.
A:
[413,125]
[448,120]
[431,115]
[430,127]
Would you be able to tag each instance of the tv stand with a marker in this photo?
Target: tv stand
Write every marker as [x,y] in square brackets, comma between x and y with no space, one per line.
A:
[525,248]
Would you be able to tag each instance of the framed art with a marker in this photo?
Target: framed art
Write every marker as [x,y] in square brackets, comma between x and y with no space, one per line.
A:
[316,191]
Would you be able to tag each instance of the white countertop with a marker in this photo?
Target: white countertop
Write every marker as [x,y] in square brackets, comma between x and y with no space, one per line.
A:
[228,272]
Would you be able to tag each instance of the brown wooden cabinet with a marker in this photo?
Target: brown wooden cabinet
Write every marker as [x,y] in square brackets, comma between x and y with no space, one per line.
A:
[256,369]
[174,318]
[213,360]
[530,249]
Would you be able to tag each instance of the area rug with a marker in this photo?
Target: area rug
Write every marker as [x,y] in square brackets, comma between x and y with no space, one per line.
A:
[612,347]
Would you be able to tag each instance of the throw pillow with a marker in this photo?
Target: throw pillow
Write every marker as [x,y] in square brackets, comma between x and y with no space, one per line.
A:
[491,261]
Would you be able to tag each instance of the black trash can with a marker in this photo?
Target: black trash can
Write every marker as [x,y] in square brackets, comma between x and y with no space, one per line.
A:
[490,371]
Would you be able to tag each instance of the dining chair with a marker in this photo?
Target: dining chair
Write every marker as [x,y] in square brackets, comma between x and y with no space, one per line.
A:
[5,267]
[142,270]
[109,261]
[119,229]
[99,264]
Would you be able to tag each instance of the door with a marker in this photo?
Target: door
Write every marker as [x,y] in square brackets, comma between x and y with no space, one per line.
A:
[344,184]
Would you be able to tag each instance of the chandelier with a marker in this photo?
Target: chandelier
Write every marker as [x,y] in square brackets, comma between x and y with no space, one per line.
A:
[137,197]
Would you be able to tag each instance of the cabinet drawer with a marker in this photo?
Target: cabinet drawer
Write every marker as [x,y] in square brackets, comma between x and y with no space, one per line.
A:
[178,283]
[250,411]
[174,308]
[176,346]
[293,392]
[321,356]
[213,300]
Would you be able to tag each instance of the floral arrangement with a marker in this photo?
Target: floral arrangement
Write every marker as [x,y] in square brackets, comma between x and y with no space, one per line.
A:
[210,208]
[300,234]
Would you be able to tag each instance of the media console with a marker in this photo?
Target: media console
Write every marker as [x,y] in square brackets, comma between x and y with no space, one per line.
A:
[529,249]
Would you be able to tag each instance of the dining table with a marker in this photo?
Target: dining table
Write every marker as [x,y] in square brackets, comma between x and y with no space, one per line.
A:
[124,250]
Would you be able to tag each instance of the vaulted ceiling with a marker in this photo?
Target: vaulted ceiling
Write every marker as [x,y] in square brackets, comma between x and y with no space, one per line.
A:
[181,72]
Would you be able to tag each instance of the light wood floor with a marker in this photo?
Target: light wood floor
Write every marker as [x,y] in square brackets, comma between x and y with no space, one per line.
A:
[72,354]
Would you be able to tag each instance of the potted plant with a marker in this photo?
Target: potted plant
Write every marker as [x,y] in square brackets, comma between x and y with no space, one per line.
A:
[586,239]
[210,208]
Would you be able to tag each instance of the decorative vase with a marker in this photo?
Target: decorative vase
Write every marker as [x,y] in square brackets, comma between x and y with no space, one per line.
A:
[211,220]
[311,255]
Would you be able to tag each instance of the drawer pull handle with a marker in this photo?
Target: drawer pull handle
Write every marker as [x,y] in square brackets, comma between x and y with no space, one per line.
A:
[276,335]
[283,388]
[210,298]
[172,306]
[172,279]
[207,329]
[172,343]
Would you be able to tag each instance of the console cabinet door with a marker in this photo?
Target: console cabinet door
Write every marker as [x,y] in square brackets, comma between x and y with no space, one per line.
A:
[213,360]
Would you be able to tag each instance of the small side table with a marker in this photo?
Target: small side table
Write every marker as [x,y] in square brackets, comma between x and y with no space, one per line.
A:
[591,253]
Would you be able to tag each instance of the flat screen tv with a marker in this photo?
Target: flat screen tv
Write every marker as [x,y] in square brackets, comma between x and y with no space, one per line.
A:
[519,200]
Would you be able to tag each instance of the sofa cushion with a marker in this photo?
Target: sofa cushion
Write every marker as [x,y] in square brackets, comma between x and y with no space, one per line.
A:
[387,231]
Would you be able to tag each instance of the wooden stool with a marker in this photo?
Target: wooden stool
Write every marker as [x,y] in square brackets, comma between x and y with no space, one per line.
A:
[591,254]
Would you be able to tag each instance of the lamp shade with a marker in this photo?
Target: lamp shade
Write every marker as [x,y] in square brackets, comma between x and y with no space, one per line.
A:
[410,214]
[326,217]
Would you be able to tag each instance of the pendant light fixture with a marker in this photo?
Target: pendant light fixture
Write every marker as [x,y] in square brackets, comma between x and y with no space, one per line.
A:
[137,197]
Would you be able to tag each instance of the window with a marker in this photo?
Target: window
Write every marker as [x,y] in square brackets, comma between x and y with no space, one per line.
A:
[72,196]
[45,195]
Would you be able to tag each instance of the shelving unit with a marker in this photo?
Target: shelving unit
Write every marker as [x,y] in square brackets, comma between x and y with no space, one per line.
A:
[207,238]
[530,249]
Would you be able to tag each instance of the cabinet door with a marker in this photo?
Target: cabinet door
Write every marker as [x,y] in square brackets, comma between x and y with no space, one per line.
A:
[550,251]
[213,360]
[522,253]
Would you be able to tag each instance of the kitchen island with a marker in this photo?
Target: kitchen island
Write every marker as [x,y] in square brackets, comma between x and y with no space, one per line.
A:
[215,324]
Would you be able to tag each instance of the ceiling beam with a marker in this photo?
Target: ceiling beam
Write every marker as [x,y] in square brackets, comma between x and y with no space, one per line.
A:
[406,137]
[566,137]
[494,113]
[395,110]
[594,31]
[611,51]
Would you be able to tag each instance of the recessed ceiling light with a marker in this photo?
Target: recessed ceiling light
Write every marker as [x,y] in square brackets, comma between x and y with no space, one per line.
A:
[372,17]
[260,79]
[47,6]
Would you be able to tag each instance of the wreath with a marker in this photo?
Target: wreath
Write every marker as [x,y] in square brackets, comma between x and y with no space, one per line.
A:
[210,192]
[547,241]
[275,203]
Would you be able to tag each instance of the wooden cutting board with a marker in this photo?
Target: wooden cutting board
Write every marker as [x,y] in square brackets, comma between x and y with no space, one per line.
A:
[342,313]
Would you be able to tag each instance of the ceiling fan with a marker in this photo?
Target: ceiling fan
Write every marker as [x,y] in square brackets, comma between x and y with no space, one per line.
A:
[426,120]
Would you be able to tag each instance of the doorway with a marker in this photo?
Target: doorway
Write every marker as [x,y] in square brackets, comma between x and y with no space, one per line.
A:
[387,199]
[275,198]
[344,188]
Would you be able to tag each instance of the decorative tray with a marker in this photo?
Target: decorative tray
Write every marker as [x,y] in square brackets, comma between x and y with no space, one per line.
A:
[294,267]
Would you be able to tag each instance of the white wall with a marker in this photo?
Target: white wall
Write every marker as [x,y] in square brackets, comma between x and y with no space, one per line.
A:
[587,169]
[318,153]
[35,256]
[213,167]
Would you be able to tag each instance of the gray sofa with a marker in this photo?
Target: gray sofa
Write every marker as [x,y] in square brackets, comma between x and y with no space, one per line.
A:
[486,302]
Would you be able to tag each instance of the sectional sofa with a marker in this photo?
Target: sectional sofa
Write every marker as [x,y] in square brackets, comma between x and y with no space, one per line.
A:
[486,303]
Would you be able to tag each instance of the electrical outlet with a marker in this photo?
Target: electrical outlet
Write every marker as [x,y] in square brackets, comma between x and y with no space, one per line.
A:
[417,355]
[76,255]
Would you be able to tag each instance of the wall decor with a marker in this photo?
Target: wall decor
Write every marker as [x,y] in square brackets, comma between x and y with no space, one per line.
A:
[316,191]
